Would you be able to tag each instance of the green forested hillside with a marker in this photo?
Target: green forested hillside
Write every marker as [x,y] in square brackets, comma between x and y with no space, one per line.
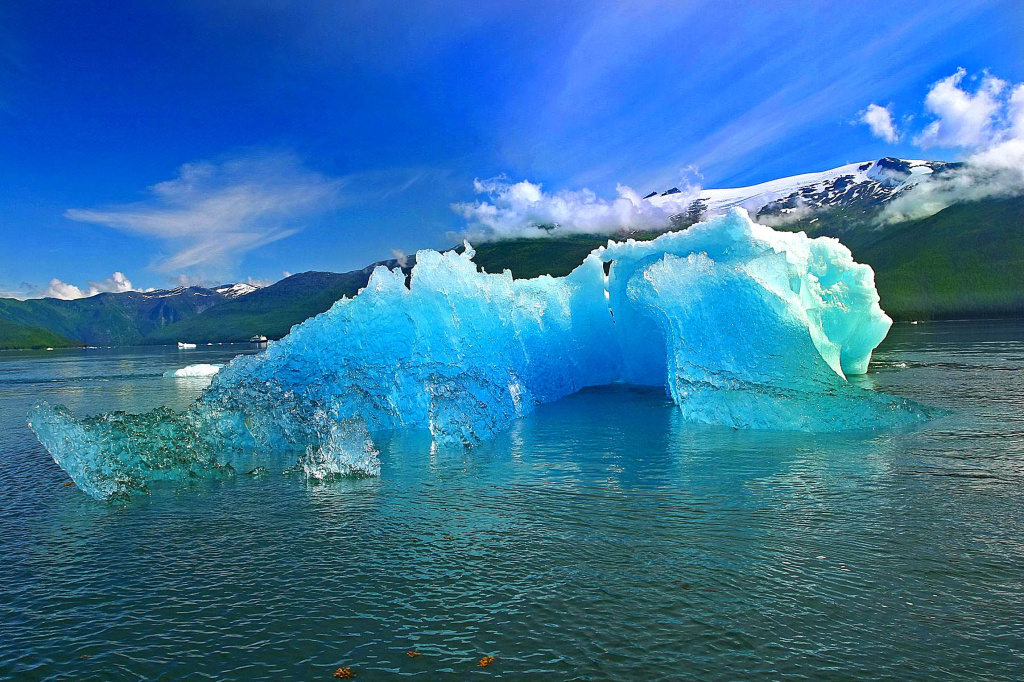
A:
[528,258]
[109,319]
[14,335]
[964,262]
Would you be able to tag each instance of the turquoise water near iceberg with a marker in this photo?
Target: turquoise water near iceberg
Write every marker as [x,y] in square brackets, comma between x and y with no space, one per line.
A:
[600,538]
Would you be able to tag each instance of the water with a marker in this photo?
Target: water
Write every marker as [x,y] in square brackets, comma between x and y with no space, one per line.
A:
[600,539]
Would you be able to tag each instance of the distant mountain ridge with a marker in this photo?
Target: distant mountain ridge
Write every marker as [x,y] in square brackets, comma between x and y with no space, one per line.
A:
[272,310]
[111,319]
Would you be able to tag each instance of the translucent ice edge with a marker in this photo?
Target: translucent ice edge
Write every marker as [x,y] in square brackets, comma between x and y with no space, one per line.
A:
[744,326]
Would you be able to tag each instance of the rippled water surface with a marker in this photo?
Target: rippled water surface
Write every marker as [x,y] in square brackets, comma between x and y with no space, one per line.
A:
[602,538]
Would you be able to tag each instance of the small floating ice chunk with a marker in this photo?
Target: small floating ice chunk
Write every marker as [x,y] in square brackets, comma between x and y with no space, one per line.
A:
[345,449]
[193,371]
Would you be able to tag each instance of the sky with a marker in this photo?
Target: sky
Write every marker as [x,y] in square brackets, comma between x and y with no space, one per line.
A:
[155,144]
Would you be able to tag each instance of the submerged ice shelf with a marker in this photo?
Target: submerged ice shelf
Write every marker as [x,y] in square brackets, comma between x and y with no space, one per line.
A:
[744,326]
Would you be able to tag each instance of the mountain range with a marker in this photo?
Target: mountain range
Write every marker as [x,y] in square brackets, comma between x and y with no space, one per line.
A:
[858,188]
[232,312]
[966,261]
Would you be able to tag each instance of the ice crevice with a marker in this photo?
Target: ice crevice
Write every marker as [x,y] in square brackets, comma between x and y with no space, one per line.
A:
[744,326]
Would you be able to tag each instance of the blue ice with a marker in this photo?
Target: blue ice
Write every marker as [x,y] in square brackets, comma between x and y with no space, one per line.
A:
[743,325]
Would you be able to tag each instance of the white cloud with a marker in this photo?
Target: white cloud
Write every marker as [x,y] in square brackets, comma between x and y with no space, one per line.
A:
[971,182]
[962,119]
[215,211]
[1005,148]
[62,290]
[524,209]
[400,256]
[988,126]
[116,283]
[879,120]
[184,280]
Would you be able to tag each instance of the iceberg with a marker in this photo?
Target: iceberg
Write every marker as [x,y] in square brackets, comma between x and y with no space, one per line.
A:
[193,371]
[744,326]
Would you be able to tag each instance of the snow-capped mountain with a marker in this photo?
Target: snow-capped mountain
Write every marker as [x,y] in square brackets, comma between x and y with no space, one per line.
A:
[226,290]
[866,184]
[235,290]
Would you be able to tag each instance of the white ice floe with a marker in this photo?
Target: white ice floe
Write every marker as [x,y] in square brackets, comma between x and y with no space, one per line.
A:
[192,371]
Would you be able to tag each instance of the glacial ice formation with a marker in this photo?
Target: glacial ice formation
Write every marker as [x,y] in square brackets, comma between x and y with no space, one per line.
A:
[193,371]
[743,325]
[337,454]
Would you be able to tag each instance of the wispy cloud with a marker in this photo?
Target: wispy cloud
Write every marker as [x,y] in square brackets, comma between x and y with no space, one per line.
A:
[742,95]
[879,120]
[215,211]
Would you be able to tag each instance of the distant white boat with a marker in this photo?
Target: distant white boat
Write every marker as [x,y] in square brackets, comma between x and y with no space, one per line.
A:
[49,349]
[259,339]
[182,345]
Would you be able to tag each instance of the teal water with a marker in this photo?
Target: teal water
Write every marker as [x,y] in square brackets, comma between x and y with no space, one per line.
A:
[600,539]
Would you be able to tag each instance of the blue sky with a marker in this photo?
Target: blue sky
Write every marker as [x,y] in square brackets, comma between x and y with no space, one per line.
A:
[217,141]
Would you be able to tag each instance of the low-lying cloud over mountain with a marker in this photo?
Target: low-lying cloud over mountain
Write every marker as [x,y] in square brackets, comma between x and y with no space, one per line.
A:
[116,283]
[985,126]
[524,209]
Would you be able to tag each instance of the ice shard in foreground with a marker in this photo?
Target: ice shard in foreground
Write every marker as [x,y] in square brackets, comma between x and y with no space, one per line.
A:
[743,325]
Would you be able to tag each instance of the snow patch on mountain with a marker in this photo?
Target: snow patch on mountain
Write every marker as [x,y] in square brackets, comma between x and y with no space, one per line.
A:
[235,290]
[869,182]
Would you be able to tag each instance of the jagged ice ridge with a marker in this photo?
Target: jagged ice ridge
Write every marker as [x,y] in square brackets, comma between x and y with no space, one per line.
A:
[743,325]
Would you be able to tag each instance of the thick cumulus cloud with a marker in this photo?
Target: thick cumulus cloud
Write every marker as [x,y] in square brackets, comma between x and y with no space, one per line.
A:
[1006,149]
[116,283]
[524,209]
[962,118]
[986,125]
[879,120]
[62,290]
[213,212]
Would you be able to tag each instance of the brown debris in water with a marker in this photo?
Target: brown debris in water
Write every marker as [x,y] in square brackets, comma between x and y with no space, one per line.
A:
[485,661]
[344,673]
